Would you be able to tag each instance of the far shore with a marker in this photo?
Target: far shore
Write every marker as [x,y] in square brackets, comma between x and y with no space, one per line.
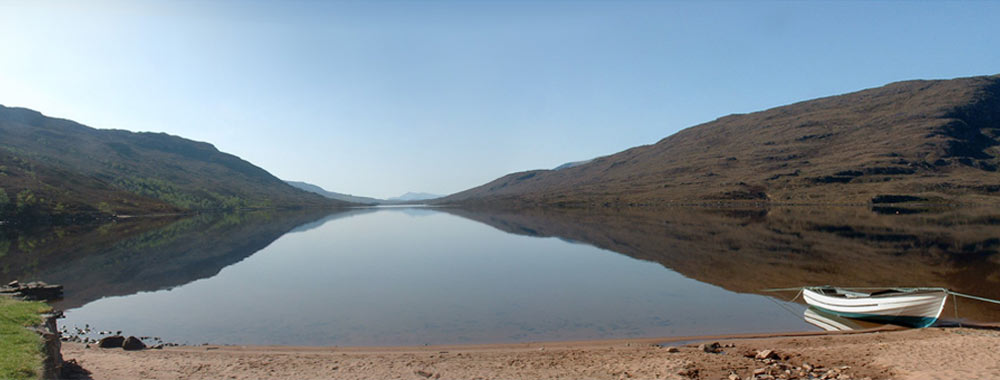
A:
[886,353]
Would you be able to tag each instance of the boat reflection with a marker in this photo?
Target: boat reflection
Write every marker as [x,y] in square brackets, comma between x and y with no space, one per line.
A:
[833,322]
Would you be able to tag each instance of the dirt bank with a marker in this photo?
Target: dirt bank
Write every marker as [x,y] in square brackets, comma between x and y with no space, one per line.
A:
[911,354]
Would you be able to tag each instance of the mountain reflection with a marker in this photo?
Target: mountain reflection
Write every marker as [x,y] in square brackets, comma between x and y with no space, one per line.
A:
[748,250]
[742,250]
[141,254]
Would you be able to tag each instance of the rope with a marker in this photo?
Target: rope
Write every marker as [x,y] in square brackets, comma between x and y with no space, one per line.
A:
[954,300]
[801,288]
[974,297]
[785,308]
[797,295]
[857,288]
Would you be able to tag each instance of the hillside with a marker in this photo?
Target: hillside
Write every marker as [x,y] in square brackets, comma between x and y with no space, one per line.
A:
[935,140]
[414,196]
[333,195]
[409,198]
[55,169]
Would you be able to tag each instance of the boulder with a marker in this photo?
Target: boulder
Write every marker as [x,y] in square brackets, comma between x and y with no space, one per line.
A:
[133,344]
[113,341]
[713,348]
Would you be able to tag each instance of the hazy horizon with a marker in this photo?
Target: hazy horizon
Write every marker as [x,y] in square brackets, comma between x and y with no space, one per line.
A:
[380,99]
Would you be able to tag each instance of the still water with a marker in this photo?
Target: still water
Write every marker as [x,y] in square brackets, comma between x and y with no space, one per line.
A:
[414,276]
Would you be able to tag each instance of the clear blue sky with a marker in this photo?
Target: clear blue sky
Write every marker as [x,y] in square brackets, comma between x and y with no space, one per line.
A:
[380,98]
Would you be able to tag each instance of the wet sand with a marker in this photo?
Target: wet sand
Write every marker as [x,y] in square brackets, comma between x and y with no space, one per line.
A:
[933,353]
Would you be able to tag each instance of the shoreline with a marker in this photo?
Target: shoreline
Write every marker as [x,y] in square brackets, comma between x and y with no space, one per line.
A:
[659,341]
[880,353]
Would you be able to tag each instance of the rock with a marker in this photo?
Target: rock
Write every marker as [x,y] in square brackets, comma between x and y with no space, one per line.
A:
[806,366]
[759,371]
[733,376]
[766,354]
[133,344]
[113,341]
[713,348]
[423,373]
[14,284]
[158,346]
[673,349]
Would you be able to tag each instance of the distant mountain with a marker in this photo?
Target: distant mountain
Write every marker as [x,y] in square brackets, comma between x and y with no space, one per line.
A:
[411,196]
[405,198]
[332,195]
[923,140]
[55,169]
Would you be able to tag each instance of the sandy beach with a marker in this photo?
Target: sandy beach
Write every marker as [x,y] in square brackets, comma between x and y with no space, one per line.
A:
[933,353]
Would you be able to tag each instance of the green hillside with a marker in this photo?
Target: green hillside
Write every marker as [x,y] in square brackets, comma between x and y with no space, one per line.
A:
[56,170]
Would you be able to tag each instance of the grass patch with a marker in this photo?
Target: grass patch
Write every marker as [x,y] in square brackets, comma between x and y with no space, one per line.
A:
[20,349]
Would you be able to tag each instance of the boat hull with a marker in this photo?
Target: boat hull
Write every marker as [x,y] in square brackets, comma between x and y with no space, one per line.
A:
[913,309]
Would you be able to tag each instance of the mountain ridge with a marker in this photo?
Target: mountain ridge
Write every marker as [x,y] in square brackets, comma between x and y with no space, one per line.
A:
[54,169]
[333,195]
[934,140]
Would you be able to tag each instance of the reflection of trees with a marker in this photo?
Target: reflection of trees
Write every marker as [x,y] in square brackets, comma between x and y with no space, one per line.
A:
[140,254]
[755,249]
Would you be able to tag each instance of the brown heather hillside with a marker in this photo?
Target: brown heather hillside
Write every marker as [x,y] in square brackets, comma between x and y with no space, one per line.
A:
[58,170]
[933,139]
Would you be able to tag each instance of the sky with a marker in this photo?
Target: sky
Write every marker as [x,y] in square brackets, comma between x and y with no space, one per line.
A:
[378,98]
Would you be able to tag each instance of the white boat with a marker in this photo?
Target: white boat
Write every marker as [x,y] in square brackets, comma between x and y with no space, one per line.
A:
[915,307]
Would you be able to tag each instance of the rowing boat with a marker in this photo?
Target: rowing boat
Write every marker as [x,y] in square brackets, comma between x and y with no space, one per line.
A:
[914,307]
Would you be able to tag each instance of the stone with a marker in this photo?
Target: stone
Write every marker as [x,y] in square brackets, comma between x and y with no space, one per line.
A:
[712,348]
[759,371]
[733,376]
[766,354]
[423,373]
[113,341]
[158,346]
[14,284]
[133,344]
[673,349]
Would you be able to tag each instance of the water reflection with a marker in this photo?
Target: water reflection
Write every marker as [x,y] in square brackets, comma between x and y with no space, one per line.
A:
[832,322]
[430,275]
[140,254]
[411,277]
[755,249]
